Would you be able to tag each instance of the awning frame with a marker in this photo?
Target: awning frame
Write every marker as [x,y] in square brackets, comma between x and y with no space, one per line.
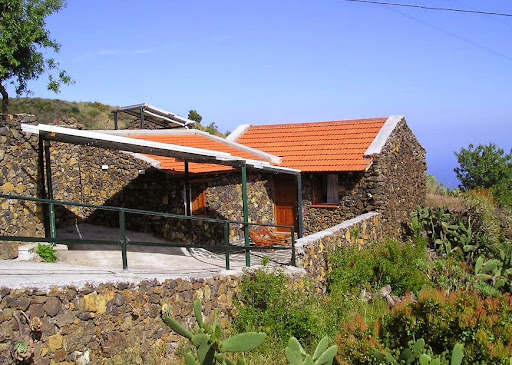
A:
[48,133]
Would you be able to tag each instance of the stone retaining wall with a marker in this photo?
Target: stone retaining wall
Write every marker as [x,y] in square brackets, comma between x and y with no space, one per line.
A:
[313,250]
[99,322]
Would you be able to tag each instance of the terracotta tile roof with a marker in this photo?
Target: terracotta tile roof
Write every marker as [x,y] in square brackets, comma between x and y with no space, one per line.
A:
[197,141]
[317,147]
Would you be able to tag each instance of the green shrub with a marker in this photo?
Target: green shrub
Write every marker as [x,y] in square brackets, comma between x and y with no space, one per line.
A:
[47,252]
[481,207]
[483,326]
[418,352]
[389,263]
[266,303]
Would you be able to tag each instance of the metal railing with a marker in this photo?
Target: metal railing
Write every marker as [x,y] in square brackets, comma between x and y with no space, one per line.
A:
[123,241]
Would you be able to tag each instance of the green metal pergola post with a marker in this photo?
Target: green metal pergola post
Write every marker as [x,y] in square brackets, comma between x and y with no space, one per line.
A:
[299,205]
[226,243]
[245,202]
[123,240]
[53,230]
[115,121]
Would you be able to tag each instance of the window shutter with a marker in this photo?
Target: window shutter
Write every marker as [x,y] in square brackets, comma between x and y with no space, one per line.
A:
[332,189]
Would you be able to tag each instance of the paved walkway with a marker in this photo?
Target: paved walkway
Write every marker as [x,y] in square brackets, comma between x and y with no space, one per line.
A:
[81,263]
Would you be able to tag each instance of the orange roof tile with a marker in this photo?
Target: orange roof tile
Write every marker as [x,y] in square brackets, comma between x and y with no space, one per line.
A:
[197,141]
[317,147]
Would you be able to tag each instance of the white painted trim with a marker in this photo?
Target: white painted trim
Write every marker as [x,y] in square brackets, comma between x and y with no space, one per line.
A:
[237,133]
[266,166]
[156,164]
[162,149]
[143,132]
[313,238]
[113,141]
[383,135]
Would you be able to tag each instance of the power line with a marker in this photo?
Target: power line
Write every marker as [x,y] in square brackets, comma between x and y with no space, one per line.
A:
[431,8]
[451,34]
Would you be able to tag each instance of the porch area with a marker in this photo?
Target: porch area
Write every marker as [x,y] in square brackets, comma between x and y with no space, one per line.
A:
[81,263]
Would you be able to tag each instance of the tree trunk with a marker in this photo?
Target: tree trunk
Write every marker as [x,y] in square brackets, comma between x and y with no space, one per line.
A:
[5,103]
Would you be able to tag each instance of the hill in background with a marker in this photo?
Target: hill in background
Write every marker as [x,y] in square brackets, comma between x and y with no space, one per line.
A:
[92,115]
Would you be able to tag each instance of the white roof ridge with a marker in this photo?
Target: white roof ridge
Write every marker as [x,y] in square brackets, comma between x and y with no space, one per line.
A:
[382,137]
[173,132]
[268,156]
[238,132]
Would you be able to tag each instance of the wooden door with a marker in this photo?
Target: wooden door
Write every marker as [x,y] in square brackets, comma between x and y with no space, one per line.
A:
[285,201]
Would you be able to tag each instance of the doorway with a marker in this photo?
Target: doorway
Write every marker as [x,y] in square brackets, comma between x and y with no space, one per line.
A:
[285,201]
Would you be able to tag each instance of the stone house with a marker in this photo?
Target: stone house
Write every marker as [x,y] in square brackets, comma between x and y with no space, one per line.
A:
[346,168]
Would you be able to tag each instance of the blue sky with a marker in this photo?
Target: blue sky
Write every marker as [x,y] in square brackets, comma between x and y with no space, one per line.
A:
[264,61]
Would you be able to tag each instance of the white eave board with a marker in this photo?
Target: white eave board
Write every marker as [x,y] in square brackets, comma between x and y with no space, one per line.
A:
[116,142]
[108,141]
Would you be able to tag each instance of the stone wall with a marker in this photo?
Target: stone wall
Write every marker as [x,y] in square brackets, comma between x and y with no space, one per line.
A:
[161,192]
[79,175]
[84,325]
[394,185]
[354,200]
[19,176]
[99,322]
[398,179]
[313,251]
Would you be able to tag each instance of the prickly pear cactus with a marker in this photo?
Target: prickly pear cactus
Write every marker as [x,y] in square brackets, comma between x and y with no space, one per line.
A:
[207,339]
[323,355]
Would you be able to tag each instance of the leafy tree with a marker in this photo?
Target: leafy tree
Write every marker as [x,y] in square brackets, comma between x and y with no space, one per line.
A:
[195,116]
[483,166]
[486,166]
[23,38]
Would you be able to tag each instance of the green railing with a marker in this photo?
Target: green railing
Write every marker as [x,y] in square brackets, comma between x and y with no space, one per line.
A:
[123,239]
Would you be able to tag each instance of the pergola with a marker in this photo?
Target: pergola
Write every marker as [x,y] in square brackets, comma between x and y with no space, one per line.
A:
[146,112]
[49,133]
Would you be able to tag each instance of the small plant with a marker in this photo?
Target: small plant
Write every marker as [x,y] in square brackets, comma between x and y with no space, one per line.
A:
[47,252]
[22,348]
[323,355]
[207,339]
[494,270]
[355,234]
[417,352]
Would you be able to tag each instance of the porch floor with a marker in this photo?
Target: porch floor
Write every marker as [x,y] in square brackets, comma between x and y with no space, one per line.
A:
[82,263]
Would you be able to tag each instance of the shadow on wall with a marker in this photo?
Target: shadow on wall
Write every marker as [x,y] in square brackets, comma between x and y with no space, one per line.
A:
[217,197]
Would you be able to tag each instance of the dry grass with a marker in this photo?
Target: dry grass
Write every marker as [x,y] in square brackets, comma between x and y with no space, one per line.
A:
[452,203]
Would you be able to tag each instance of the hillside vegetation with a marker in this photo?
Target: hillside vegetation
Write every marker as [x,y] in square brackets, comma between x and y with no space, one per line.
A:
[92,115]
